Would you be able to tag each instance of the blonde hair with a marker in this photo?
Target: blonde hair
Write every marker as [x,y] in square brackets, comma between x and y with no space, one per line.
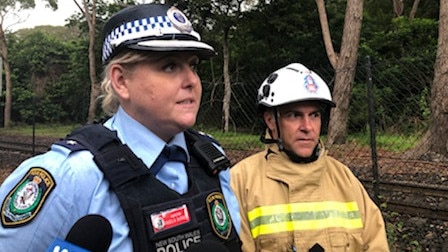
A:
[127,59]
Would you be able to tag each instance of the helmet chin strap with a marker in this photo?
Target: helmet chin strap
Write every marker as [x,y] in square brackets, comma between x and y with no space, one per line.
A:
[303,160]
[292,156]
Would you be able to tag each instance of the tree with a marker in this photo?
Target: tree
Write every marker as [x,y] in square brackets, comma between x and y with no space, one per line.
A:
[4,56]
[89,11]
[344,65]
[223,17]
[9,7]
[435,141]
[229,13]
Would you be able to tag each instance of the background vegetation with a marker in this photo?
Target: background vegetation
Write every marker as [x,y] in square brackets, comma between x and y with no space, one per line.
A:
[51,77]
[51,83]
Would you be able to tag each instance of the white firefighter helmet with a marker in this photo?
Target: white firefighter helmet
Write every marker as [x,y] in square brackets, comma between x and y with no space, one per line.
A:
[293,83]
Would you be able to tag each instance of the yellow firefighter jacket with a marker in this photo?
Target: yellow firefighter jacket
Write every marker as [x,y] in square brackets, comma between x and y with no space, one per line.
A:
[287,206]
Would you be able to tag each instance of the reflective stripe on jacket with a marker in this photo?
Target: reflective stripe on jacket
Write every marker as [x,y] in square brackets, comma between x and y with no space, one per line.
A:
[292,207]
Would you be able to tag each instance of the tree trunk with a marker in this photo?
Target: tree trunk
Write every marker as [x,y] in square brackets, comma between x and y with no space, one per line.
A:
[94,89]
[326,35]
[414,9]
[398,7]
[434,144]
[344,66]
[227,85]
[8,98]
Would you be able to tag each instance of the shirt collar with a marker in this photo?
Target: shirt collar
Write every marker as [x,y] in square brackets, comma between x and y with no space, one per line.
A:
[142,141]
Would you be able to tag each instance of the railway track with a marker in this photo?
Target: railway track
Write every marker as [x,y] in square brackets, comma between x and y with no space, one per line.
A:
[23,147]
[427,201]
[402,197]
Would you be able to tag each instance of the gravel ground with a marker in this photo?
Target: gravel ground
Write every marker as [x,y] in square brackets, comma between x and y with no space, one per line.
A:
[405,233]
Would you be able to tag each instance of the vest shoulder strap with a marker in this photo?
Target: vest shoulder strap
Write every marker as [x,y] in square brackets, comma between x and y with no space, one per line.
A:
[108,151]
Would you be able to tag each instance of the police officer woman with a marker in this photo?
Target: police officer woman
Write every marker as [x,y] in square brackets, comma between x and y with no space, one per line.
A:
[125,170]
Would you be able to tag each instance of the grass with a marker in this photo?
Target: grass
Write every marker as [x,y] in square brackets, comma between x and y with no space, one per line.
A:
[232,140]
[47,130]
[388,141]
[236,141]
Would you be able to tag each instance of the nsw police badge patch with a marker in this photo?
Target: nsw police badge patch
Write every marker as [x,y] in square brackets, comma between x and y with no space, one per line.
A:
[219,215]
[26,199]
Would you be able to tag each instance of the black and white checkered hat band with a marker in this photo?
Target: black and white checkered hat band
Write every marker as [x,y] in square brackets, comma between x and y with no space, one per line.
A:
[147,27]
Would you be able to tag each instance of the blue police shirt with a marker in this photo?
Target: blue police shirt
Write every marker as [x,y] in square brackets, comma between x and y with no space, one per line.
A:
[46,194]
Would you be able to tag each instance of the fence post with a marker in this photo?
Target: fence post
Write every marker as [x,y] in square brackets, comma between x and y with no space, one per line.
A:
[1,76]
[372,127]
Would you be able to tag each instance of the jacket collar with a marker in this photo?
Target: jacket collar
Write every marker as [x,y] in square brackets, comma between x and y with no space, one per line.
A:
[281,168]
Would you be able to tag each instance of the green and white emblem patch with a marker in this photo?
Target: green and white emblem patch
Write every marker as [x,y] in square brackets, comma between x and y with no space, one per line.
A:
[219,215]
[26,199]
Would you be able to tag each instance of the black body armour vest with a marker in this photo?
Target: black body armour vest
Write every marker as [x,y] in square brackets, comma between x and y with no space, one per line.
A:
[159,218]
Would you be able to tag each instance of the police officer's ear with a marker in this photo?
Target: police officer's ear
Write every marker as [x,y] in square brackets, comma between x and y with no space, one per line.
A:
[119,81]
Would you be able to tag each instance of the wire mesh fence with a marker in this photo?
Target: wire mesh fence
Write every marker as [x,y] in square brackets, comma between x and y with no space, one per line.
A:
[379,136]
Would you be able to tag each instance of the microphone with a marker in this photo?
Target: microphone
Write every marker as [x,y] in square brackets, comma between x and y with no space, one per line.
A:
[207,245]
[90,233]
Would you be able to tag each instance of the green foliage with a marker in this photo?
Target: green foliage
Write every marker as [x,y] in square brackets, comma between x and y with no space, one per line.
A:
[402,72]
[358,107]
[388,141]
[23,104]
[404,38]
[424,104]
[60,32]
[49,76]
[236,141]
[393,230]
[279,33]
[397,233]
[39,51]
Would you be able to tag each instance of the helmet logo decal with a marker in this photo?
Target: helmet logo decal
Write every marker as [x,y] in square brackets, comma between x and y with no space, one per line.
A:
[272,77]
[310,84]
[265,93]
[179,20]
[267,88]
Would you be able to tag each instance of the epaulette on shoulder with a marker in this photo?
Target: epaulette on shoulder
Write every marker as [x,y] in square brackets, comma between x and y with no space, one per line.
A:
[88,137]
[71,144]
